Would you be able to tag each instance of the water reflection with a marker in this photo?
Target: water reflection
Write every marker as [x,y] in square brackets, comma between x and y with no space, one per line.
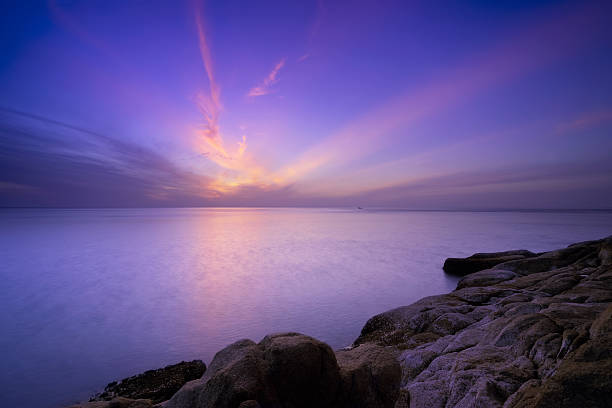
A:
[92,295]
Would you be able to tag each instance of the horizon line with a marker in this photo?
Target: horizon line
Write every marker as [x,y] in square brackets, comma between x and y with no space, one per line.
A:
[360,208]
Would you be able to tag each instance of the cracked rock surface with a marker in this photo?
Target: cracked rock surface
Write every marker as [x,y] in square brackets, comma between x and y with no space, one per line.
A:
[529,332]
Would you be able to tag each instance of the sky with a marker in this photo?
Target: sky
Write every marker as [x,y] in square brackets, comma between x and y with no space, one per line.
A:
[393,104]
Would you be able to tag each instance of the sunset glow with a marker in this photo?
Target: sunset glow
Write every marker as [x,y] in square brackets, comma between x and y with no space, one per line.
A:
[227,195]
[317,104]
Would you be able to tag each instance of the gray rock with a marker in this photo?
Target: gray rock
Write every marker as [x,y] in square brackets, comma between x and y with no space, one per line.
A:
[293,370]
[370,376]
[290,369]
[531,332]
[485,278]
[481,261]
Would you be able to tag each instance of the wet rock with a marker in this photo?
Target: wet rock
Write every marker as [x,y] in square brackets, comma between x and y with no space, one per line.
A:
[155,385]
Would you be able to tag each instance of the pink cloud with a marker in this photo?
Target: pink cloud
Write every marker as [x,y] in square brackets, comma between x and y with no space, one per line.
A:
[271,79]
[586,121]
[535,44]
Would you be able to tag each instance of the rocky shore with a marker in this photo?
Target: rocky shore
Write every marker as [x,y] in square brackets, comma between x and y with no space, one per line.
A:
[154,385]
[521,330]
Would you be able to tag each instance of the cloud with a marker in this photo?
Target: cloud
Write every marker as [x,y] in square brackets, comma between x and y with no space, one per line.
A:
[53,163]
[236,166]
[271,79]
[537,43]
[210,103]
[561,185]
[585,121]
[514,55]
[48,163]
[586,184]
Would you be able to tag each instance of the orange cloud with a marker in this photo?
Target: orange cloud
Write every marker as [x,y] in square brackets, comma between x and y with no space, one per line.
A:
[518,54]
[264,87]
[237,167]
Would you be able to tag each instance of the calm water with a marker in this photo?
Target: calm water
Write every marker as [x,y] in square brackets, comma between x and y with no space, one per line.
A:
[89,296]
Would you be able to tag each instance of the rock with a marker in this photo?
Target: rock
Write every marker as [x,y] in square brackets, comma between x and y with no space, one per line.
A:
[155,385]
[117,402]
[450,323]
[583,377]
[249,404]
[370,376]
[529,332]
[602,326]
[303,371]
[481,261]
[293,370]
[485,278]
[288,368]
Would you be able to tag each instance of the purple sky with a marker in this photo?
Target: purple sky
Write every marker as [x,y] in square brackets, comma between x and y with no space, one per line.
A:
[431,105]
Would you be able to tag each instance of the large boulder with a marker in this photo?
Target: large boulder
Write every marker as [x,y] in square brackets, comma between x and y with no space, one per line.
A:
[294,371]
[238,373]
[286,369]
[155,385]
[303,371]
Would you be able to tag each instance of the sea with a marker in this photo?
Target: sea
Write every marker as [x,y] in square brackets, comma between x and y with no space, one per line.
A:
[88,296]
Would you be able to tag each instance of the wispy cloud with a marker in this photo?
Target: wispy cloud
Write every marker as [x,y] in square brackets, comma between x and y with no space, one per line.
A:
[515,55]
[559,36]
[585,121]
[539,185]
[44,162]
[210,103]
[237,168]
[265,87]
